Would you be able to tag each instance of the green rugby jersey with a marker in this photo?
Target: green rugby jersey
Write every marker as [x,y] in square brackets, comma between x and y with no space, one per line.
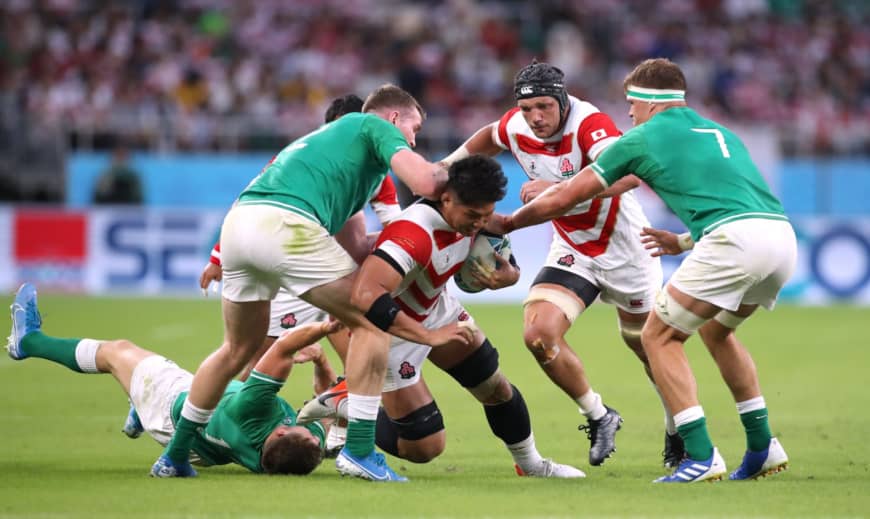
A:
[246,415]
[700,169]
[329,174]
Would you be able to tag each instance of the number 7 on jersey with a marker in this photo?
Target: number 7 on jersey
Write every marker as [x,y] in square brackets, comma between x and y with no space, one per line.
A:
[719,138]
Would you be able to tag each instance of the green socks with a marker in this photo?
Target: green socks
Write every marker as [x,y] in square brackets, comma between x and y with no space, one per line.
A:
[62,351]
[178,448]
[360,436]
[696,438]
[757,427]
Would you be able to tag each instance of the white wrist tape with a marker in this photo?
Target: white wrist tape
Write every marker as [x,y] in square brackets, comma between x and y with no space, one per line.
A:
[685,241]
[459,154]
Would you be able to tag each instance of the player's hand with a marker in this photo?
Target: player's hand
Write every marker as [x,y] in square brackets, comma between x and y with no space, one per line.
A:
[311,353]
[454,332]
[533,188]
[503,275]
[660,242]
[210,273]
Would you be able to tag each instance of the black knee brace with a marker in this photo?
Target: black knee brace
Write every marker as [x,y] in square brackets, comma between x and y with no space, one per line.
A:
[510,420]
[478,367]
[417,424]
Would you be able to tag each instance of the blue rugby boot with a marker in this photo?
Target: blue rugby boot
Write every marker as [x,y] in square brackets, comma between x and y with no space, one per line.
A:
[166,468]
[133,425]
[25,319]
[756,465]
[691,471]
[372,467]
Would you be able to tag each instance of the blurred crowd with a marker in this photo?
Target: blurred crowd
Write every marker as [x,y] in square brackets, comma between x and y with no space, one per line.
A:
[240,74]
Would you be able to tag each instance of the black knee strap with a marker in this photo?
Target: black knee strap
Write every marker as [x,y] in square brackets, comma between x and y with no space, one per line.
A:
[478,367]
[420,423]
[582,287]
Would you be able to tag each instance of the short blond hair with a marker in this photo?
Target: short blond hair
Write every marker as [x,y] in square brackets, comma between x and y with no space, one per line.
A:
[391,96]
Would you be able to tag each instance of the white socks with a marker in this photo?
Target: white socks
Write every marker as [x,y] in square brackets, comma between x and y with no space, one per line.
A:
[525,454]
[689,415]
[86,355]
[753,404]
[192,413]
[591,405]
[362,407]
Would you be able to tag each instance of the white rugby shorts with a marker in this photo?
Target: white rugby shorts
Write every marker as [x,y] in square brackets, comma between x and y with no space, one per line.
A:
[264,247]
[405,364]
[741,262]
[632,286]
[290,312]
[154,387]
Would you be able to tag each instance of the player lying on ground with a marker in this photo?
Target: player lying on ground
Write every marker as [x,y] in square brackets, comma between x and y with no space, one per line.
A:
[252,426]
[405,277]
[281,234]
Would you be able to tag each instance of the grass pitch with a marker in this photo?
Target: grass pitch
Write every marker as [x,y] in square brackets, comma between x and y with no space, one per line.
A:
[63,454]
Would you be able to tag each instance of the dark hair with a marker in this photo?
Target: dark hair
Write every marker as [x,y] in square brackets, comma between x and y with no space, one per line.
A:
[290,454]
[476,180]
[541,79]
[391,96]
[339,106]
[659,73]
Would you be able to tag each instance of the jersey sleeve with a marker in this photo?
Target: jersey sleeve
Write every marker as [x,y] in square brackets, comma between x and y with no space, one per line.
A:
[621,158]
[596,132]
[215,256]
[385,138]
[257,397]
[406,243]
[386,203]
[499,131]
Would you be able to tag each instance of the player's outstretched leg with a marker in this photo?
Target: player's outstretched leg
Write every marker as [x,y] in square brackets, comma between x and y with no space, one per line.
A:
[372,467]
[602,435]
[755,465]
[25,320]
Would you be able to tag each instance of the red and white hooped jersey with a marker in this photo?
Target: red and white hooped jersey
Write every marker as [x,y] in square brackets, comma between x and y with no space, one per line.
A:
[604,230]
[385,203]
[428,251]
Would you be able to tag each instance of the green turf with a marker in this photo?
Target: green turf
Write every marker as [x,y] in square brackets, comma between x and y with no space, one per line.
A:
[63,454]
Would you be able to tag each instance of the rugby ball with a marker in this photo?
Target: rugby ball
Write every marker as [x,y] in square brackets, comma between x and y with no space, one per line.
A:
[482,248]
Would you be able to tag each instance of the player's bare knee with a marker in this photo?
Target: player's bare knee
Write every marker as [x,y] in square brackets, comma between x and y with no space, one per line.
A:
[545,350]
[631,332]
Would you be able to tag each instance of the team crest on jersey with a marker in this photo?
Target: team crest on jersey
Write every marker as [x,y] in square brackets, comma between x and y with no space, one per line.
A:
[463,316]
[566,261]
[407,370]
[566,168]
[288,321]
